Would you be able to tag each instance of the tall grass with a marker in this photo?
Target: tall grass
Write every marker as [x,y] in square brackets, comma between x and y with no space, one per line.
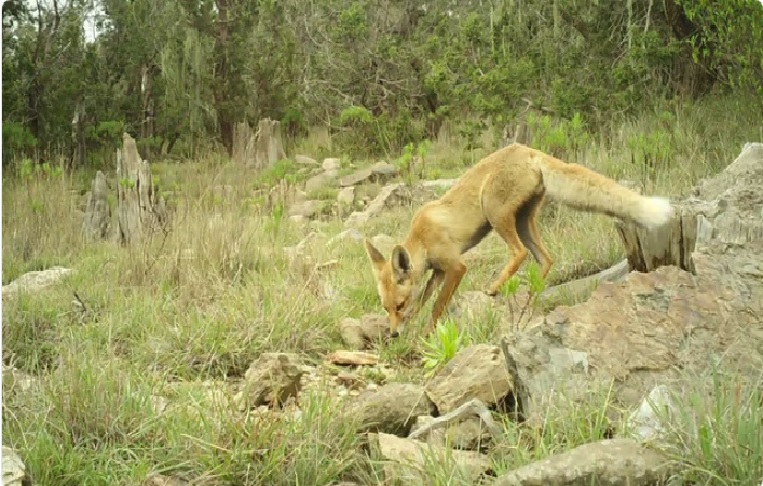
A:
[177,319]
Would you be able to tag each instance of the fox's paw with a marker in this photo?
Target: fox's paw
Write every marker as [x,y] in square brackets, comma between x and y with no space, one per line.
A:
[492,292]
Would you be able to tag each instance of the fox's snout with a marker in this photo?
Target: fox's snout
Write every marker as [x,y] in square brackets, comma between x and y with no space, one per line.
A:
[395,324]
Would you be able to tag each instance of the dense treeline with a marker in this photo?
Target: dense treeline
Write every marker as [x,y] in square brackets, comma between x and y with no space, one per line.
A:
[179,74]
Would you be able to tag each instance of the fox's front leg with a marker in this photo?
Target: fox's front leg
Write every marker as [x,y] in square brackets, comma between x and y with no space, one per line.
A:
[434,281]
[453,276]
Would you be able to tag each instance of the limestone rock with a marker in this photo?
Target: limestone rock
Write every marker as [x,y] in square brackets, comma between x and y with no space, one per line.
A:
[270,380]
[346,196]
[390,196]
[648,422]
[32,282]
[616,462]
[319,181]
[305,160]
[477,371]
[358,333]
[467,434]
[331,164]
[306,209]
[379,172]
[14,470]
[409,458]
[391,409]
[650,329]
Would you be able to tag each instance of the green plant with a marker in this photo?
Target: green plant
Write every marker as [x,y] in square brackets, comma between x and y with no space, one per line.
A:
[510,290]
[442,345]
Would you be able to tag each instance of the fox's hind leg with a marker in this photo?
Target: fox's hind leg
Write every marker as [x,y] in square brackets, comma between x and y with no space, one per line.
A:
[504,198]
[527,228]
[507,230]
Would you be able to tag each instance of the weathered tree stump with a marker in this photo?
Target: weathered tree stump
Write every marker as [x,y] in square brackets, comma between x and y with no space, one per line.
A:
[97,213]
[261,149]
[140,210]
[718,209]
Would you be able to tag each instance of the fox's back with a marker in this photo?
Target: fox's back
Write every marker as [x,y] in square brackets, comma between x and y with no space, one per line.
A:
[506,163]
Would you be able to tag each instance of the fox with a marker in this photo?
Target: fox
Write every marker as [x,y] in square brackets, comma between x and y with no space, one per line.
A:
[503,192]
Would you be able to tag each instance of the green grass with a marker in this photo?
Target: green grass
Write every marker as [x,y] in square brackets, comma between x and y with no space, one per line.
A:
[168,319]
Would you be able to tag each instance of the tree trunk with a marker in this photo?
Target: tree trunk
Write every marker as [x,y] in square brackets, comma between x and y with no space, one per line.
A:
[725,207]
[140,209]
[98,214]
[222,75]
[261,149]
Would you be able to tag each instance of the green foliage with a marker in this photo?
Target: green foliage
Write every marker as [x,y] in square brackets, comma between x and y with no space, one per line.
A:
[442,345]
[282,170]
[716,431]
[728,40]
[106,133]
[382,77]
[510,291]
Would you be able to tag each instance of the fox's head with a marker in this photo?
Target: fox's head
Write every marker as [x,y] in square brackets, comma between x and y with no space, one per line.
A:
[394,282]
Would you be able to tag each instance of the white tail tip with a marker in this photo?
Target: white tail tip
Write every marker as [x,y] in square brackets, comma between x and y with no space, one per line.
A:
[655,211]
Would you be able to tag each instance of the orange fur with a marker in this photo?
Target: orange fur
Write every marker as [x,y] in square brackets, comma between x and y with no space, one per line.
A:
[503,192]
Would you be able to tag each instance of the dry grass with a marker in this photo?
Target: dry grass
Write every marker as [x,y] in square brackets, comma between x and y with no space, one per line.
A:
[202,302]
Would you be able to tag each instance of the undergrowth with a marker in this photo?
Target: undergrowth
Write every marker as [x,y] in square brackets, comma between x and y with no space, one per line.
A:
[190,310]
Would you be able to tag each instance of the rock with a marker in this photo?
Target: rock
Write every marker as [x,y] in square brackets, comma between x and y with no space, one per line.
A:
[477,371]
[352,358]
[331,164]
[271,380]
[351,333]
[346,196]
[306,209]
[390,196]
[14,470]
[305,160]
[32,282]
[468,434]
[645,424]
[652,328]
[391,409]
[319,181]
[379,172]
[544,372]
[409,459]
[382,171]
[616,462]
[358,333]
[349,381]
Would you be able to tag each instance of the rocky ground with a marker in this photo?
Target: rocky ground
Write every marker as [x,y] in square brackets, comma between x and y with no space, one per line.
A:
[641,338]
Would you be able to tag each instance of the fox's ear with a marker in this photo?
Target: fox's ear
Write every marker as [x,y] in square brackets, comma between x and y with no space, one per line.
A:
[377,259]
[401,263]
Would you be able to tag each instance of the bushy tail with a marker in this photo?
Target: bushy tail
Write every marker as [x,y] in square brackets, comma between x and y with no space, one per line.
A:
[581,188]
